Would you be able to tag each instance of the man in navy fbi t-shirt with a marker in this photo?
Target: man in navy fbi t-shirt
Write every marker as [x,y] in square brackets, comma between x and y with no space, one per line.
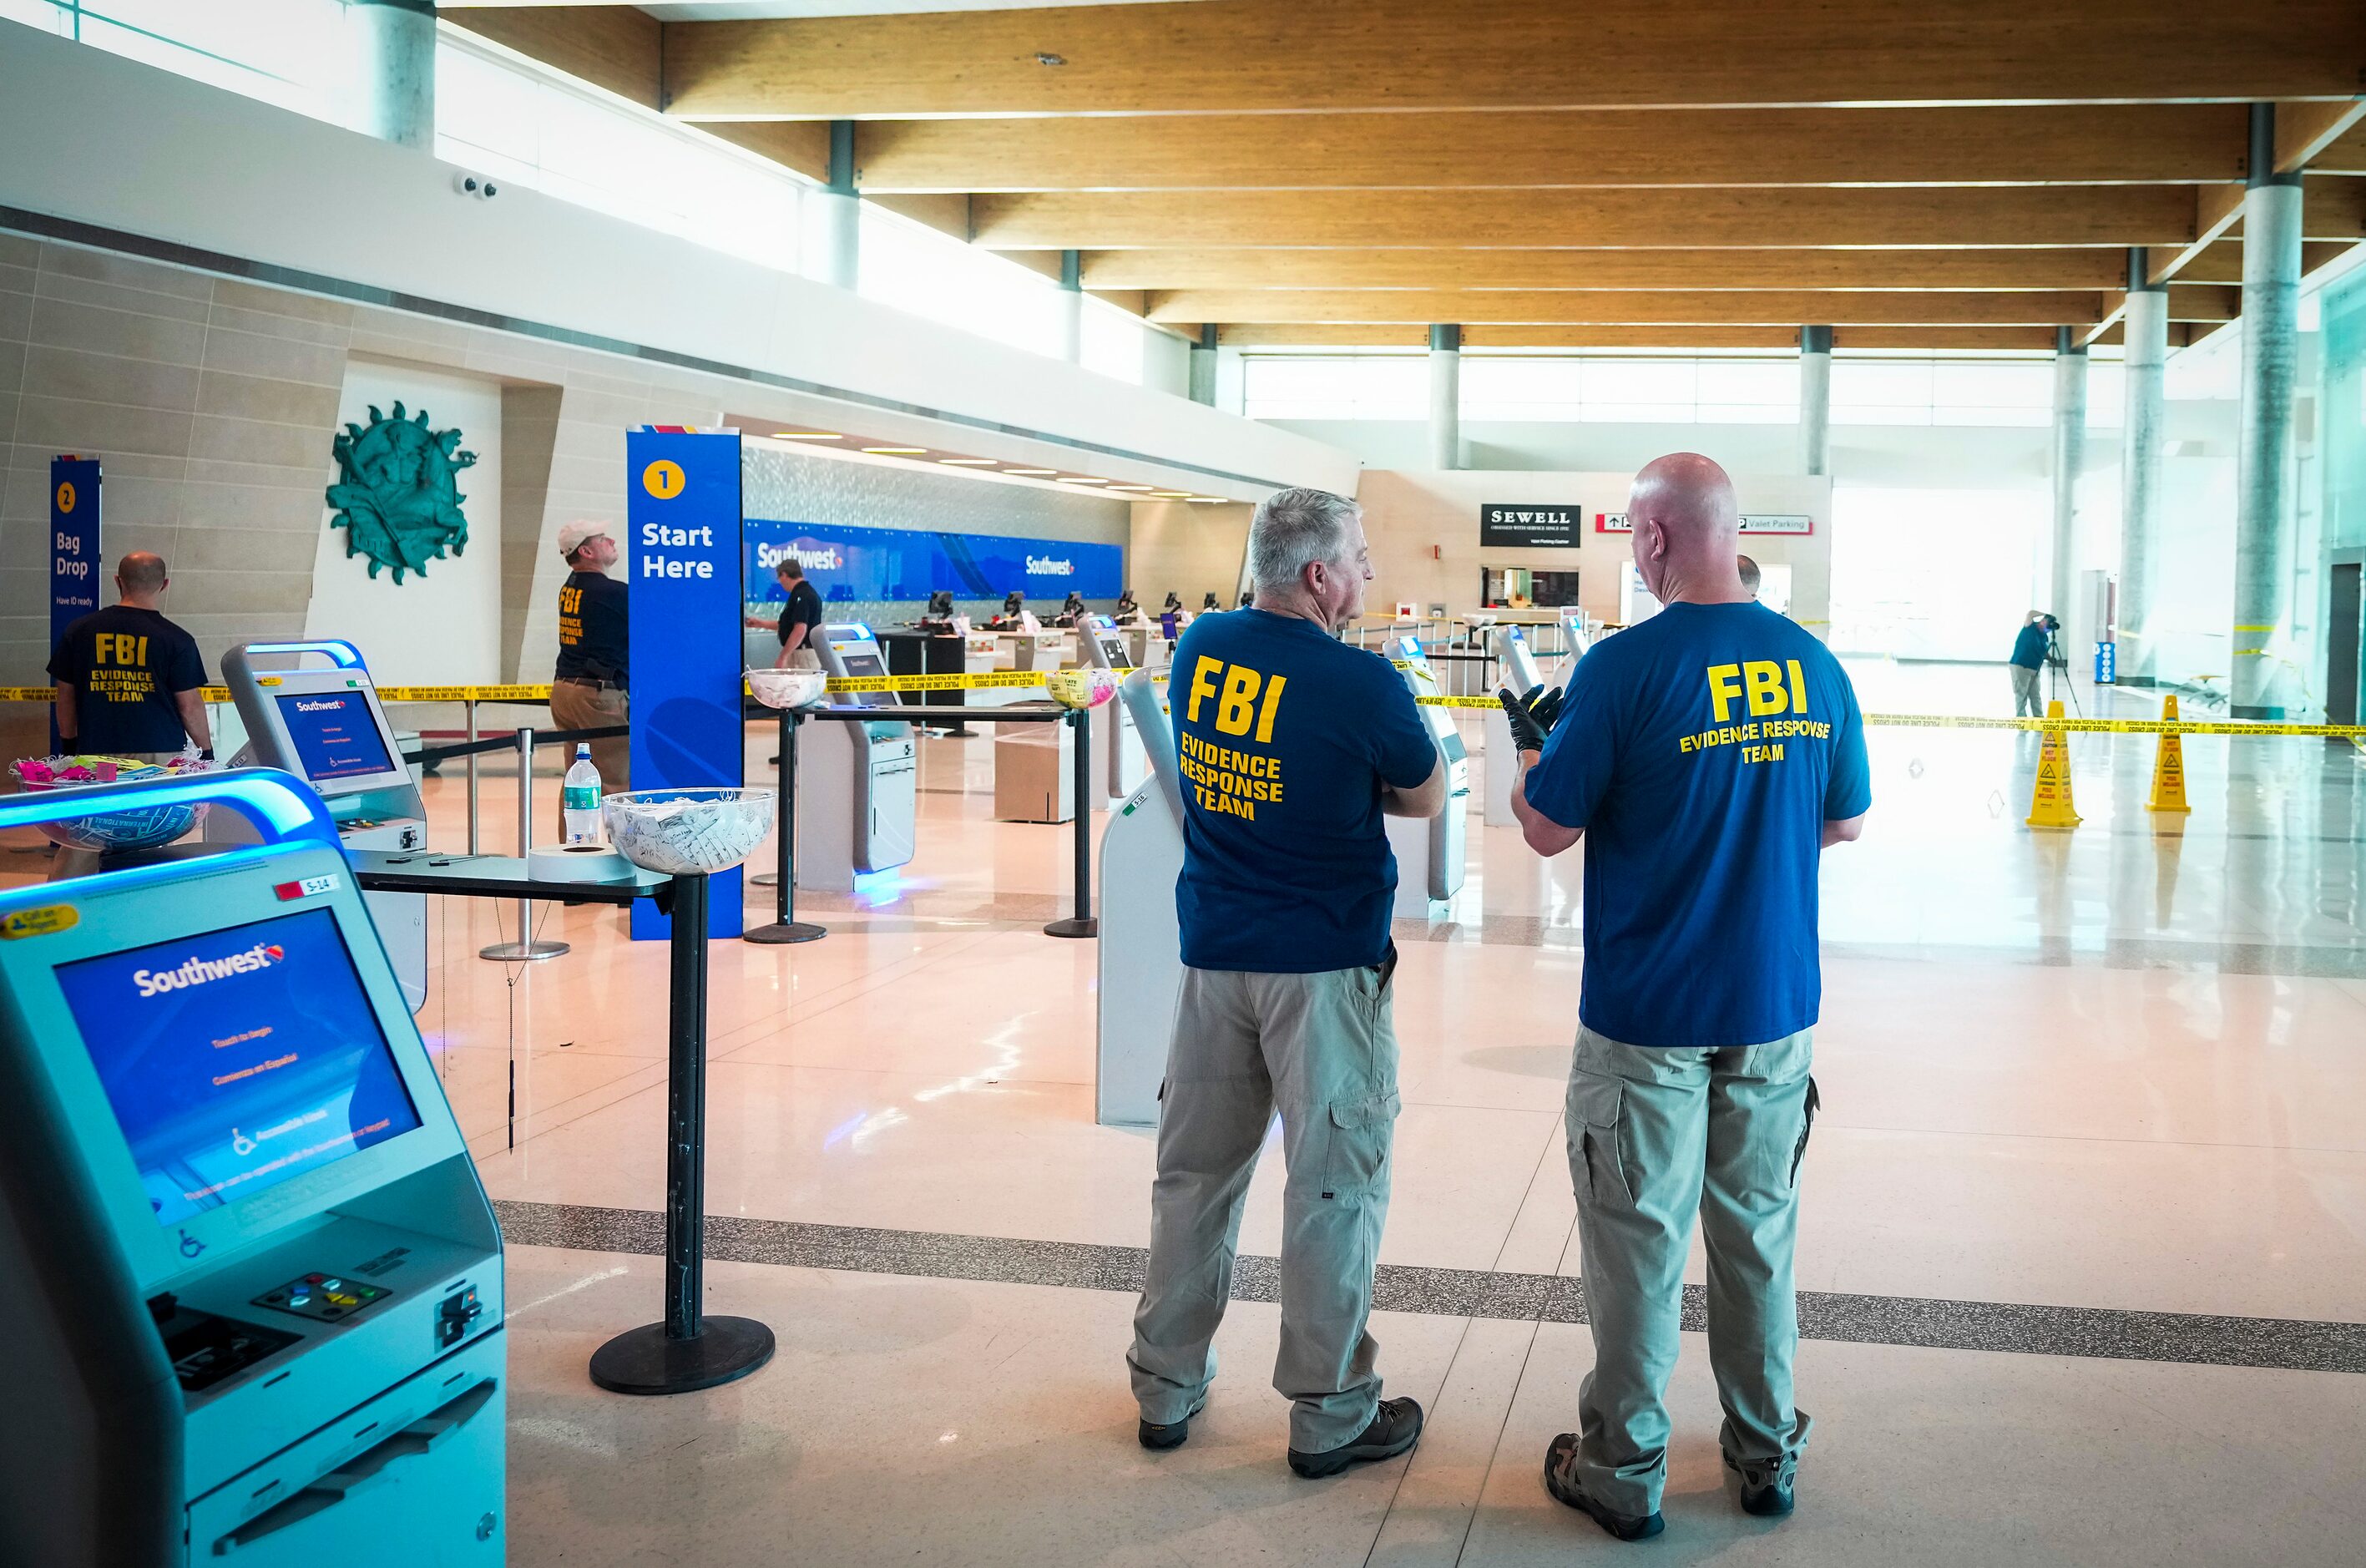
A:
[1707,756]
[1292,745]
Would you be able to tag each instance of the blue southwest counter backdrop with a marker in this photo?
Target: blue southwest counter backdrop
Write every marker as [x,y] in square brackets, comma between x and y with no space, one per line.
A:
[869,565]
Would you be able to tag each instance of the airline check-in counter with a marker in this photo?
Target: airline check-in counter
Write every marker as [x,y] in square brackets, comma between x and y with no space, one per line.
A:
[858,783]
[252,1282]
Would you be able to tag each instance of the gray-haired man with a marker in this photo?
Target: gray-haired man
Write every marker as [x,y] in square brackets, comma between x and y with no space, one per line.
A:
[1292,745]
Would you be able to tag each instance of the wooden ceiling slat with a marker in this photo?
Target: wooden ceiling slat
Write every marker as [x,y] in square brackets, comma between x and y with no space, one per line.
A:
[2079,267]
[615,47]
[2304,130]
[1635,306]
[2006,216]
[2038,145]
[1676,339]
[1264,55]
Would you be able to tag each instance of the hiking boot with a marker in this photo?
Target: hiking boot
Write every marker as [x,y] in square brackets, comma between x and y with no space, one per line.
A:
[1396,1427]
[1173,1434]
[1560,1479]
[1765,1486]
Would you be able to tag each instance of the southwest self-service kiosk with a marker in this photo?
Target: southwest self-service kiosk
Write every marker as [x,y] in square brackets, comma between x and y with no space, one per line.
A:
[858,782]
[250,1285]
[327,728]
[1141,944]
[1118,766]
[1520,676]
[1430,850]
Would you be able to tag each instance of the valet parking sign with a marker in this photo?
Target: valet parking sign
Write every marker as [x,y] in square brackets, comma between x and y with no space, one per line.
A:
[681,509]
[73,549]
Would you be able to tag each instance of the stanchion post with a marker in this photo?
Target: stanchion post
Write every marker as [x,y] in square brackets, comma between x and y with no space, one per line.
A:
[525,950]
[785,926]
[689,1350]
[1082,923]
[474,841]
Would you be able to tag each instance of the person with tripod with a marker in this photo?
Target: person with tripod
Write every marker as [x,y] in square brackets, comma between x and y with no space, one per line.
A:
[2030,653]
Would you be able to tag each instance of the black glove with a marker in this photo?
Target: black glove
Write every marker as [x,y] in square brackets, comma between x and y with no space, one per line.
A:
[1532,717]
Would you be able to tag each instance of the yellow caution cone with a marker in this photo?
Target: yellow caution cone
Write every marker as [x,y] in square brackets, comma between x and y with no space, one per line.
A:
[2169,766]
[2049,802]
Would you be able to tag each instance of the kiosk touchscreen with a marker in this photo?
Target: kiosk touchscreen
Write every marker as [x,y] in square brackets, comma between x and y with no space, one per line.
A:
[1430,851]
[1118,764]
[327,728]
[254,1283]
[857,783]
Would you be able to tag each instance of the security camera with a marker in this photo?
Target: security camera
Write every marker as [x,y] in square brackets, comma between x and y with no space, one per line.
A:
[477,185]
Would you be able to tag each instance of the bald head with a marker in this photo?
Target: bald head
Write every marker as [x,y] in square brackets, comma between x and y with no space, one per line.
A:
[1687,522]
[140,576]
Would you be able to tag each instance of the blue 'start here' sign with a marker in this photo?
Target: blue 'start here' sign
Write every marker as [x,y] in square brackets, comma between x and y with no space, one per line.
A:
[870,564]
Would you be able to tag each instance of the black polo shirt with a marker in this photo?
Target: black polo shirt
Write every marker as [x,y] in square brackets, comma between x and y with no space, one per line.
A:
[803,609]
[593,630]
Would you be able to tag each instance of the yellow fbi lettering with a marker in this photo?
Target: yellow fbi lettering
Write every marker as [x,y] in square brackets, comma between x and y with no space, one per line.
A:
[1224,781]
[1767,691]
[1761,680]
[1234,687]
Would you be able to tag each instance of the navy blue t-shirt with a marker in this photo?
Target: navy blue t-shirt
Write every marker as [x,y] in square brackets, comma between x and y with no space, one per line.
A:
[1703,750]
[2029,647]
[1286,736]
[594,628]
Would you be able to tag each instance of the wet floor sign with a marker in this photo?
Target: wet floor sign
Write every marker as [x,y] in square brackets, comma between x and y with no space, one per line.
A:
[2049,802]
[2168,767]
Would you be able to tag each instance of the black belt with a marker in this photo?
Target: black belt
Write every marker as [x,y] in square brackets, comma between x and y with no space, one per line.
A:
[590,681]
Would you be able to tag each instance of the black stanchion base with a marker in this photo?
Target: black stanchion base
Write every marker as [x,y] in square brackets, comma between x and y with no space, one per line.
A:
[1075,925]
[643,1360]
[786,932]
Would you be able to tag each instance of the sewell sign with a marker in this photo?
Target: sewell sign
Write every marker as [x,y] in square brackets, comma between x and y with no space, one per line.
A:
[1529,526]
[1751,523]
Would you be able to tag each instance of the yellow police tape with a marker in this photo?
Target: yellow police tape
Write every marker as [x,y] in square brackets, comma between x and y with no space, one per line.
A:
[1008,679]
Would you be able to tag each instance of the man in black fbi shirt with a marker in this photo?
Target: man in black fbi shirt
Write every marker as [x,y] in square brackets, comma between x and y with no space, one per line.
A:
[587,690]
[130,681]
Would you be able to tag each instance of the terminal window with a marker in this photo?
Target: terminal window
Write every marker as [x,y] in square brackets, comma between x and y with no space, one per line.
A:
[236,1059]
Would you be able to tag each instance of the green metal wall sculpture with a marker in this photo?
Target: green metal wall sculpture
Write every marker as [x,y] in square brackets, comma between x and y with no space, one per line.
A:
[396,496]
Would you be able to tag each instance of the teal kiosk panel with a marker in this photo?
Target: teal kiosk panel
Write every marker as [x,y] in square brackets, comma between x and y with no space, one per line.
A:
[252,1281]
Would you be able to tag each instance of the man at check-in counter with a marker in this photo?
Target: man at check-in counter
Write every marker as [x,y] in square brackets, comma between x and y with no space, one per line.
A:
[1707,756]
[1292,746]
[587,690]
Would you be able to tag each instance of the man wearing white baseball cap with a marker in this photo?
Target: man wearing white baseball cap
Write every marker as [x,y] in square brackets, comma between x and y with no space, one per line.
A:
[587,692]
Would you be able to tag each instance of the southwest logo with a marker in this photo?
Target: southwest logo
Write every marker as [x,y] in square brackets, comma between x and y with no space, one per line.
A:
[1049,566]
[200,971]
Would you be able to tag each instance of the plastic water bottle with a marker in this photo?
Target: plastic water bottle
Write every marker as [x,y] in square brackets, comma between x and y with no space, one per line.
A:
[579,798]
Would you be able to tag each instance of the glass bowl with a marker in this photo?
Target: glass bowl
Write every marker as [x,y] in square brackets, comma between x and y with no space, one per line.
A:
[677,832]
[788,688]
[142,827]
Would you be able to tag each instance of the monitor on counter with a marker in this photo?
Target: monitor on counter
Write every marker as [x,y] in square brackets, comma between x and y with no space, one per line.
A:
[333,732]
[237,1059]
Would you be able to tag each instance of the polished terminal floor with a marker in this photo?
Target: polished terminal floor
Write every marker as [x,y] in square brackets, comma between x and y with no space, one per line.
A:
[2083,1249]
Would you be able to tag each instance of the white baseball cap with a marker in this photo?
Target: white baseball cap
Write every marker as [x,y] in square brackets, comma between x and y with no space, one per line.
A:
[571,536]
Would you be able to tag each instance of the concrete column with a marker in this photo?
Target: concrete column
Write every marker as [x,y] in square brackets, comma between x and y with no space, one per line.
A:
[2144,427]
[1204,365]
[2069,456]
[395,71]
[833,227]
[1072,307]
[1816,400]
[2264,685]
[1445,397]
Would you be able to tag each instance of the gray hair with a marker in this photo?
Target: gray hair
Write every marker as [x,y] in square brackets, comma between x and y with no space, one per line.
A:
[1291,531]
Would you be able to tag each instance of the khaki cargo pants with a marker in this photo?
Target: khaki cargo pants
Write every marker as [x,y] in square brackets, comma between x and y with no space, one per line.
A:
[588,705]
[1655,1134]
[1321,1050]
